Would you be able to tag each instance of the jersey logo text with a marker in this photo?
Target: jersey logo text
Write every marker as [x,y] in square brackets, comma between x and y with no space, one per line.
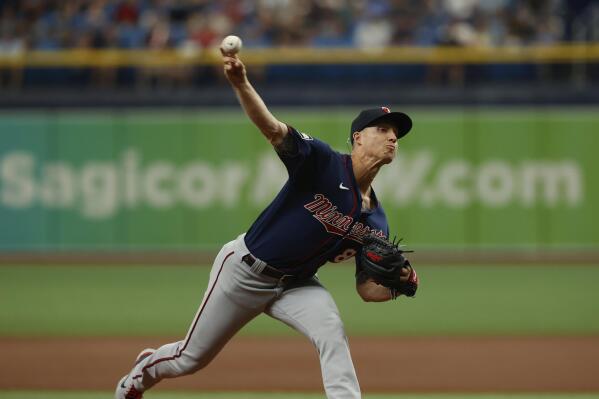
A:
[359,230]
[326,213]
[337,223]
[341,186]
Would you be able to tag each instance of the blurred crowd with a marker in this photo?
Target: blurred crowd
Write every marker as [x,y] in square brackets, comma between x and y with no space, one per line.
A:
[157,24]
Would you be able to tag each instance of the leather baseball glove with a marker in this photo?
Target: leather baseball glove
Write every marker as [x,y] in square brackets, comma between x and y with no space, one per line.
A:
[383,261]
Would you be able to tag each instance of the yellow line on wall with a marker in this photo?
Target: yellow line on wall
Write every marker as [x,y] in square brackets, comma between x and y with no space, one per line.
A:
[562,53]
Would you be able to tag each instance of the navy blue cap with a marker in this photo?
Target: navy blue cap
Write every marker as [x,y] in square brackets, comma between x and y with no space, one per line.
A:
[372,116]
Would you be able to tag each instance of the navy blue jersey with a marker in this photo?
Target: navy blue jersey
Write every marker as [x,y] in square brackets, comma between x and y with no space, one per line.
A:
[317,215]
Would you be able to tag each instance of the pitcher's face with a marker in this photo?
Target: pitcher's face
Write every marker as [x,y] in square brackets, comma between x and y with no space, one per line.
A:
[378,141]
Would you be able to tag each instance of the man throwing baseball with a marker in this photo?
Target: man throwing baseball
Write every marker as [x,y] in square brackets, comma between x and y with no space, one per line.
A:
[327,211]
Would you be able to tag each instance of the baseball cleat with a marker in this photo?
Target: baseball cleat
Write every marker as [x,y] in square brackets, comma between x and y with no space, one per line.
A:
[125,389]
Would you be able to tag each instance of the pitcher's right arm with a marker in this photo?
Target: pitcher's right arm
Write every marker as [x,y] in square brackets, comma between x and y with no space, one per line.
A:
[274,130]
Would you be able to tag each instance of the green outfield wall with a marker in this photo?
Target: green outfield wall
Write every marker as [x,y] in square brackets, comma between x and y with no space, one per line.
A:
[120,180]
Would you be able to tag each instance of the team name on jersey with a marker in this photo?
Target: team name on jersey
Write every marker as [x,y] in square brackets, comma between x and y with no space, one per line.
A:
[359,230]
[335,222]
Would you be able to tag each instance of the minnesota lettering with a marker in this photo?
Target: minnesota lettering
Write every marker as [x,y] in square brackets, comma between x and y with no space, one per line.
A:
[336,222]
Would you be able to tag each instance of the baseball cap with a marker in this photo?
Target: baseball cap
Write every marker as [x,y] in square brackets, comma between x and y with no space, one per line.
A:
[369,117]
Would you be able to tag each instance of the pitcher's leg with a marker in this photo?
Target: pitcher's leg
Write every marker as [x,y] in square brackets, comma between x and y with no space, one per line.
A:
[311,310]
[213,327]
[234,296]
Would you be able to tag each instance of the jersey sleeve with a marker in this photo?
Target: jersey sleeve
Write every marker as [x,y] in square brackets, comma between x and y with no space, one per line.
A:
[303,149]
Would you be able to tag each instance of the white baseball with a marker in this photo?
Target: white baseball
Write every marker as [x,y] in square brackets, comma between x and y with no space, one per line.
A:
[231,44]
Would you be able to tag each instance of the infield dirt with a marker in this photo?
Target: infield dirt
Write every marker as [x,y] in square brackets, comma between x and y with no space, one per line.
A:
[399,364]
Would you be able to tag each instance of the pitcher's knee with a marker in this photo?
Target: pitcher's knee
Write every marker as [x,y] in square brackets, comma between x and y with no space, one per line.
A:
[189,364]
[329,331]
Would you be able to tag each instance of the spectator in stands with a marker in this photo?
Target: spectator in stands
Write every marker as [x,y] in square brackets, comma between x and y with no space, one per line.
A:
[54,24]
[191,26]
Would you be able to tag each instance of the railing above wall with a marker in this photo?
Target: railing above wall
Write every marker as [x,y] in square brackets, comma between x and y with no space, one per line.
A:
[538,75]
[558,53]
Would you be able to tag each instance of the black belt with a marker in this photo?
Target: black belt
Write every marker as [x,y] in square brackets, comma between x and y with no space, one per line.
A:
[269,270]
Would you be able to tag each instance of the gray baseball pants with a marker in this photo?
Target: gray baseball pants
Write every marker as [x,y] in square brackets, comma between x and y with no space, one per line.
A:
[236,294]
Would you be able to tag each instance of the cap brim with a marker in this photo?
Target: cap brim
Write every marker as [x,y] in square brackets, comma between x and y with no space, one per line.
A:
[401,121]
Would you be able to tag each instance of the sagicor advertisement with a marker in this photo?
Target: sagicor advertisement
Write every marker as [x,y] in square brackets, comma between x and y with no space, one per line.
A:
[193,180]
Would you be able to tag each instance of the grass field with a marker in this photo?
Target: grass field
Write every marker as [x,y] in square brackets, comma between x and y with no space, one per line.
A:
[161,300]
[492,300]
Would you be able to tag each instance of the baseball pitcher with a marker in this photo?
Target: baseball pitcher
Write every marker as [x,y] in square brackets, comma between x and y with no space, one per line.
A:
[327,211]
